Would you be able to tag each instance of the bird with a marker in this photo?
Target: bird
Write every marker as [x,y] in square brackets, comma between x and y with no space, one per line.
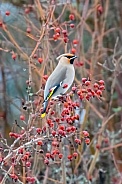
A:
[60,80]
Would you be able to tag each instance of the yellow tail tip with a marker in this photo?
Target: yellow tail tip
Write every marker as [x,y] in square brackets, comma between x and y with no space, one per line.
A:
[43,115]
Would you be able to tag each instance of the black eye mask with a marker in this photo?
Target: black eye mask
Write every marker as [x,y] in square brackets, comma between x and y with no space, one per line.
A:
[69,57]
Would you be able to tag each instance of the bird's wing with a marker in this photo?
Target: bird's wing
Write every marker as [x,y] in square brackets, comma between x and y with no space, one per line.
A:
[52,91]
[55,80]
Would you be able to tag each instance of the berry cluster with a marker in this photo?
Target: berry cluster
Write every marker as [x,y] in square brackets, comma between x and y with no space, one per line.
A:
[59,32]
[57,128]
[89,90]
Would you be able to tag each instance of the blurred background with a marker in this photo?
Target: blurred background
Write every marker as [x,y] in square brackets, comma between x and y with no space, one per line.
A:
[97,31]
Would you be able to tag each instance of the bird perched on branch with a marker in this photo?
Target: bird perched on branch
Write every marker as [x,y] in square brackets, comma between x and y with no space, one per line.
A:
[60,80]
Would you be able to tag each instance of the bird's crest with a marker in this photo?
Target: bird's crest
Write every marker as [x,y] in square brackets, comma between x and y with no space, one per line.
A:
[66,54]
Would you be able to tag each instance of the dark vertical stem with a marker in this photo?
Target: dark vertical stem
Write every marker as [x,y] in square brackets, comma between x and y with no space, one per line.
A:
[4,100]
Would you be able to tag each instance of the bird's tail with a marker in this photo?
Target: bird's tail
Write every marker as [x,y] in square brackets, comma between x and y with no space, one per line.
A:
[45,104]
[43,113]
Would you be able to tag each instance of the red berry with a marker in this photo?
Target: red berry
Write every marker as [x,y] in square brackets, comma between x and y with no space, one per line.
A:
[40,60]
[55,152]
[65,39]
[73,128]
[71,17]
[44,128]
[65,85]
[16,135]
[45,77]
[84,91]
[28,164]
[62,127]
[46,161]
[27,82]
[1,23]
[47,155]
[49,121]
[41,151]
[1,159]
[101,82]
[74,88]
[57,30]
[20,151]
[60,132]
[93,93]
[96,85]
[87,83]
[78,105]
[72,118]
[68,129]
[32,180]
[69,157]
[84,80]
[28,179]
[81,63]
[40,143]
[58,35]
[66,105]
[57,120]
[51,125]
[27,10]
[62,119]
[75,42]
[79,93]
[38,130]
[14,177]
[78,141]
[90,178]
[99,92]
[28,153]
[28,30]
[53,133]
[87,141]
[52,112]
[77,64]
[89,94]
[72,25]
[64,32]
[87,97]
[73,50]
[106,140]
[100,9]
[97,146]
[81,97]
[77,117]
[52,157]
[75,154]
[55,143]
[14,56]
[60,155]
[35,56]
[7,13]
[55,37]
[89,89]
[102,87]
[22,117]
[85,133]
[11,134]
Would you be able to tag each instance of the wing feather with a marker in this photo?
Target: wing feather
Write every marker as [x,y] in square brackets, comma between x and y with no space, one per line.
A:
[58,75]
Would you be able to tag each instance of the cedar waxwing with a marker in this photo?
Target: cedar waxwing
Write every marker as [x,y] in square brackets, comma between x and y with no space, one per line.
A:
[60,80]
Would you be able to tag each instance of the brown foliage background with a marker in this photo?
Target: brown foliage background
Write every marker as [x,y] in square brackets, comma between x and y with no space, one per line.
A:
[100,38]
